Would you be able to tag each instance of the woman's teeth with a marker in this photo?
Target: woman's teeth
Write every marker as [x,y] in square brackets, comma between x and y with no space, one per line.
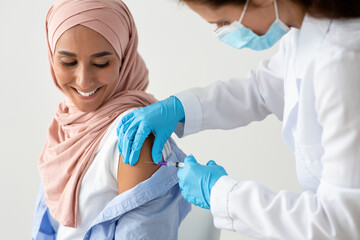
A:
[86,94]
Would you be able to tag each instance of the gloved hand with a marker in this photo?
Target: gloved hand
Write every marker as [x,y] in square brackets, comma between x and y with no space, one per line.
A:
[196,181]
[159,118]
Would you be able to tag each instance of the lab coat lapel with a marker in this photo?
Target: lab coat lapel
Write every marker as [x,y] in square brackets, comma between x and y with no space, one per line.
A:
[312,33]
[305,45]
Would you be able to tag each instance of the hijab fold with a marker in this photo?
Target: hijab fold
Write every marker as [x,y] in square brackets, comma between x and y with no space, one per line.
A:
[74,136]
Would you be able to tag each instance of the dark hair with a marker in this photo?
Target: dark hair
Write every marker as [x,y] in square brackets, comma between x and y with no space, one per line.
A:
[216,3]
[317,8]
[331,8]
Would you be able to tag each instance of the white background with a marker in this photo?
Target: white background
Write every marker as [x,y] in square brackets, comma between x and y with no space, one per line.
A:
[180,52]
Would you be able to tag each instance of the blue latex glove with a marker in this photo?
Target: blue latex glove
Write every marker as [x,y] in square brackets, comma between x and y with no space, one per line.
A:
[159,118]
[196,180]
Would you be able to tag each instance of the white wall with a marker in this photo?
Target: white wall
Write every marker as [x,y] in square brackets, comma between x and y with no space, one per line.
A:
[180,53]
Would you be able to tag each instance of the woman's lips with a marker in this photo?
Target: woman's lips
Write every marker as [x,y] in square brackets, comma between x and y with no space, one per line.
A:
[87,95]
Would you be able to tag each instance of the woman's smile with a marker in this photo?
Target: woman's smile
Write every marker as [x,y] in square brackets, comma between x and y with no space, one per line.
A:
[86,71]
[87,95]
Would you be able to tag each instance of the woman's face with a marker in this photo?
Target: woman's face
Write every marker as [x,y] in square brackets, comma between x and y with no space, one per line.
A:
[86,67]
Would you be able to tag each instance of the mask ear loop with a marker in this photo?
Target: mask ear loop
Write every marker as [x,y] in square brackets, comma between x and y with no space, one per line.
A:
[244,10]
[276,10]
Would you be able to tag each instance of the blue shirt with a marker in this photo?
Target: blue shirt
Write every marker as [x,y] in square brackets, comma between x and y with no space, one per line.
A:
[153,209]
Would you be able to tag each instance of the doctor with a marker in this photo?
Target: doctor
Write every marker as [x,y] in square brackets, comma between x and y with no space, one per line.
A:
[312,84]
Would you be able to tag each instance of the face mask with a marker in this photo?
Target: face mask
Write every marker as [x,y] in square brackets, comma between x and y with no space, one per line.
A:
[239,36]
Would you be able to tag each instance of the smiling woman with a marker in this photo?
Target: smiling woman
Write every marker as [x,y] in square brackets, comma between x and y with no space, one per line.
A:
[87,192]
[86,71]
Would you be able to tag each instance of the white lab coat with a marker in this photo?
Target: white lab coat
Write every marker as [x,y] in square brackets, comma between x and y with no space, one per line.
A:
[313,85]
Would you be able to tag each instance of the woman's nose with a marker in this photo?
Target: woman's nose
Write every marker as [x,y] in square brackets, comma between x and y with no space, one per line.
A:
[84,78]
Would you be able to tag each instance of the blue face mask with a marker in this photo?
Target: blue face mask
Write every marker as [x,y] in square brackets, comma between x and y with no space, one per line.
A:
[239,36]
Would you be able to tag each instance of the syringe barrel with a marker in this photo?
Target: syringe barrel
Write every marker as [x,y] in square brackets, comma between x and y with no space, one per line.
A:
[175,164]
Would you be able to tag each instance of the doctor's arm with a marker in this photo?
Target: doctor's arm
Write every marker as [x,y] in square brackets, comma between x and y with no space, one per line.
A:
[238,101]
[222,105]
[332,212]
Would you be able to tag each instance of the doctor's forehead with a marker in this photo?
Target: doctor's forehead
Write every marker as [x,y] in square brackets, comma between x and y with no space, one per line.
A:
[225,13]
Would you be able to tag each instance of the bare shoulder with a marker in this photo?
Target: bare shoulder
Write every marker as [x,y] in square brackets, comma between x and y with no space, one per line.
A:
[130,176]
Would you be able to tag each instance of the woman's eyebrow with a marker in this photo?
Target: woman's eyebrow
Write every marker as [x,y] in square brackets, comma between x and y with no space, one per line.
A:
[96,55]
[69,54]
[101,54]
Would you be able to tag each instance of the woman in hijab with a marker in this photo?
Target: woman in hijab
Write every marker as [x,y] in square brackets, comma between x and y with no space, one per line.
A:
[87,191]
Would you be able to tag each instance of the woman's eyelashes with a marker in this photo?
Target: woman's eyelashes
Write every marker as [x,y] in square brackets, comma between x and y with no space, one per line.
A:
[98,65]
[103,65]
[68,64]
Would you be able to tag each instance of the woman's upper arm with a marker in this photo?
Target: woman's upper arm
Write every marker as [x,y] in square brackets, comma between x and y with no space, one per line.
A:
[129,176]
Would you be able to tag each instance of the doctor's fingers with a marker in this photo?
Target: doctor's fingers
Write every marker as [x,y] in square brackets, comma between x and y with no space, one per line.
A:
[127,117]
[186,175]
[141,134]
[121,137]
[181,174]
[125,151]
[134,157]
[126,142]
[211,163]
[124,126]
[190,160]
[160,140]
[189,197]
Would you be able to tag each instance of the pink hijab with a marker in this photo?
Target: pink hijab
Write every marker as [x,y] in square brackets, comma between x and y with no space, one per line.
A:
[74,136]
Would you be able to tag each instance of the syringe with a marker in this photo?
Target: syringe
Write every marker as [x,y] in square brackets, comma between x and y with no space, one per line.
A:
[172,164]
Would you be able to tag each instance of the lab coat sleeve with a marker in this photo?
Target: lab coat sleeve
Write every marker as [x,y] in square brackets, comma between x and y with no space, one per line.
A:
[252,209]
[333,211]
[236,102]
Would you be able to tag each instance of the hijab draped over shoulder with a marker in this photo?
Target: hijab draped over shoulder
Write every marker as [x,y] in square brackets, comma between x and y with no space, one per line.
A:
[74,136]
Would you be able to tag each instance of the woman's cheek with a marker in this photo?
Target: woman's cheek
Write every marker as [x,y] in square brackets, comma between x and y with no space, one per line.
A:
[62,76]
